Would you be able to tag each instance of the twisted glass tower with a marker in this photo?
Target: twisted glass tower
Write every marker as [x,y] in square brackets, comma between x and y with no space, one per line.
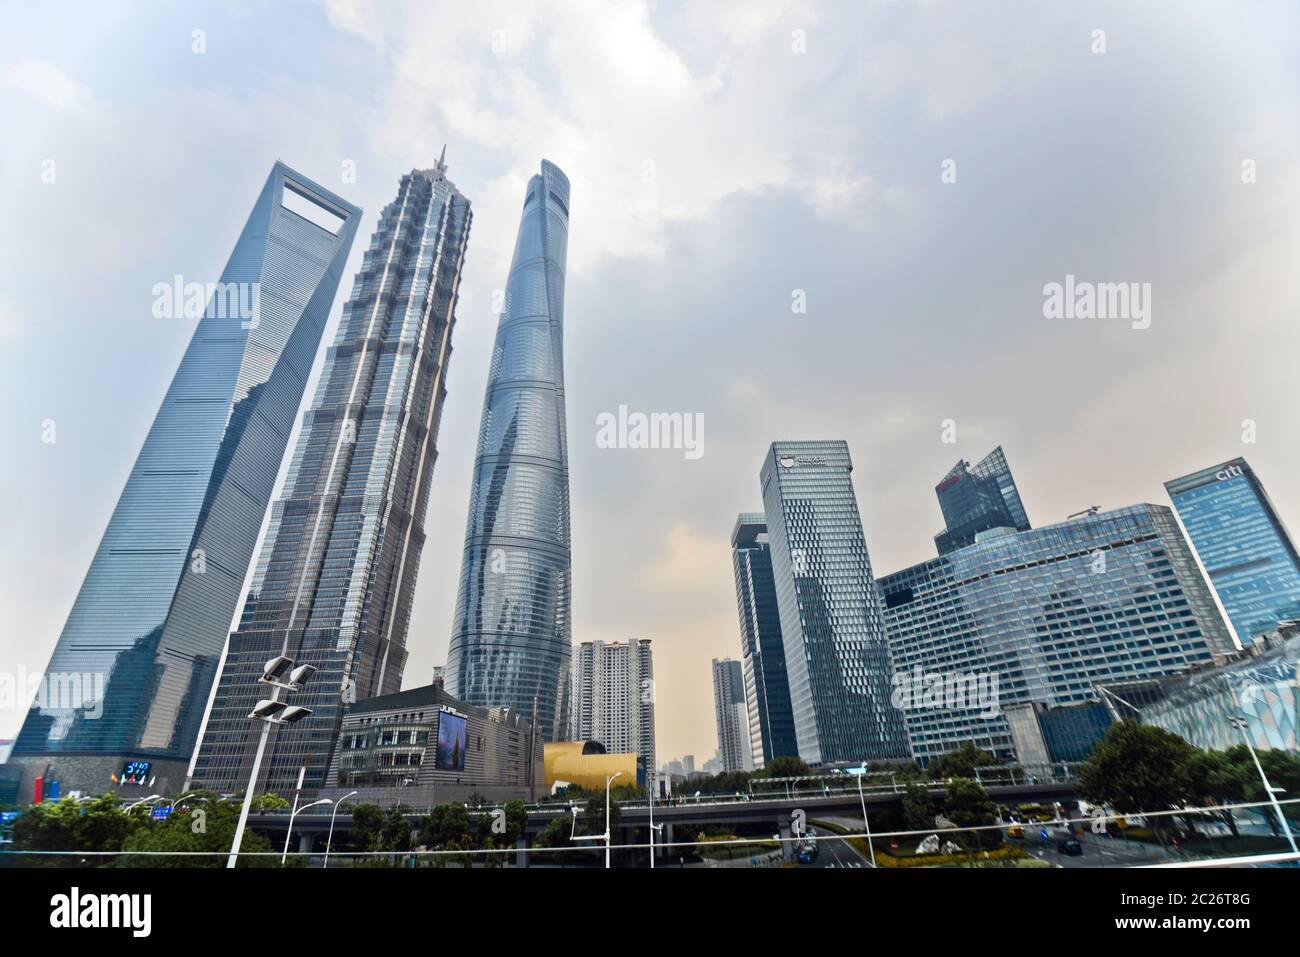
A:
[145,634]
[510,637]
[336,575]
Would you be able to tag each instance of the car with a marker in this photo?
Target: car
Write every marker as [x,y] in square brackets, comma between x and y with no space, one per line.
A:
[1016,831]
[808,853]
[1070,848]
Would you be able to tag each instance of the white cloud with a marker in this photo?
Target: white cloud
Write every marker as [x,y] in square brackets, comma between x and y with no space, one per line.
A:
[46,83]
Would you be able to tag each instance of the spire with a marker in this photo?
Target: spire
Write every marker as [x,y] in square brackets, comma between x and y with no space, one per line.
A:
[442,160]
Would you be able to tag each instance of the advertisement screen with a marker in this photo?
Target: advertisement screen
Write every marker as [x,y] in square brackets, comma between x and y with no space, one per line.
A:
[135,772]
[451,742]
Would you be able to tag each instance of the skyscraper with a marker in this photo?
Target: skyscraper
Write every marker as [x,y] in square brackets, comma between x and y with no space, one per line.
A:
[613,697]
[976,499]
[1241,541]
[511,632]
[145,634]
[1043,617]
[767,690]
[732,715]
[336,574]
[836,655]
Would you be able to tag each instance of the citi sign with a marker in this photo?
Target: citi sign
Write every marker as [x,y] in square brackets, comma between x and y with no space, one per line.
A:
[1228,472]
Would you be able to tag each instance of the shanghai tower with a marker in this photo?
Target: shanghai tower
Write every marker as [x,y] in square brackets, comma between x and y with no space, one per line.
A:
[510,643]
[335,579]
[140,648]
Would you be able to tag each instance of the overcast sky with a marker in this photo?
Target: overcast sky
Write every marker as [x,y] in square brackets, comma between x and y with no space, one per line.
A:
[722,156]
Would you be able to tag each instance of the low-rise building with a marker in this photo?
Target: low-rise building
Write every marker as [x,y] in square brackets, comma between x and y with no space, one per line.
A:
[423,746]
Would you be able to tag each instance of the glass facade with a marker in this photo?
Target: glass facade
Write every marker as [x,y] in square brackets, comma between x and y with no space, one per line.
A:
[767,689]
[155,607]
[1262,689]
[1242,543]
[977,499]
[510,643]
[1050,613]
[836,655]
[336,574]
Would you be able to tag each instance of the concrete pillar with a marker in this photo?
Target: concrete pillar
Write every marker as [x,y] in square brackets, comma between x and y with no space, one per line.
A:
[521,852]
[787,845]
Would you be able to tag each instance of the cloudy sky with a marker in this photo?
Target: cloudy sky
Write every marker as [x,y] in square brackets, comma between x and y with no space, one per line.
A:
[723,157]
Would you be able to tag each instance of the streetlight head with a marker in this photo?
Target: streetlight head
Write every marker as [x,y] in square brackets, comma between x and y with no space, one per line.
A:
[266,709]
[299,676]
[276,667]
[294,713]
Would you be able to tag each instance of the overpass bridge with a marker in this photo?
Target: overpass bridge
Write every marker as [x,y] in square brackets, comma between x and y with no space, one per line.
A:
[776,811]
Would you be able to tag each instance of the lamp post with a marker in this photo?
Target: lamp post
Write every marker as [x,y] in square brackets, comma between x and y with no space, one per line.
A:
[609,779]
[865,822]
[149,800]
[653,826]
[330,839]
[270,711]
[1239,722]
[289,833]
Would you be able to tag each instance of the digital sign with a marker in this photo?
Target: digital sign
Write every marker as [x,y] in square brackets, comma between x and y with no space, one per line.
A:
[135,772]
[450,755]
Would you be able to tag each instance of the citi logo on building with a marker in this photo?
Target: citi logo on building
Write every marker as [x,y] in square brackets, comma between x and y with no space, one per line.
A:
[1228,472]
[75,910]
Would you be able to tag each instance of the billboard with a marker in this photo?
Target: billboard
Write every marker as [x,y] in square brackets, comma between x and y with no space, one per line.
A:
[451,742]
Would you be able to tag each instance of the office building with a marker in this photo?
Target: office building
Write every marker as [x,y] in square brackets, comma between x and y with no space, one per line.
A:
[767,689]
[336,575]
[133,669]
[1241,541]
[422,747]
[613,697]
[1043,617]
[836,653]
[977,498]
[732,716]
[510,643]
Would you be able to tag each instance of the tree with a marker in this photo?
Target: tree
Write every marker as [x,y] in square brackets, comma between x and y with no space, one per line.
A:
[270,801]
[785,766]
[395,832]
[918,808]
[1214,778]
[367,826]
[960,763]
[968,805]
[205,829]
[1138,768]
[68,825]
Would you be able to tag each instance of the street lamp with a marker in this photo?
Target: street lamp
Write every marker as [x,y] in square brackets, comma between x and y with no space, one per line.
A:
[653,826]
[150,799]
[289,833]
[609,779]
[866,823]
[270,711]
[329,839]
[1239,722]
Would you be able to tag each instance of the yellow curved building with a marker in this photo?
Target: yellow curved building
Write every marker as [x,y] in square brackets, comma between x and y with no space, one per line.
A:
[575,762]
